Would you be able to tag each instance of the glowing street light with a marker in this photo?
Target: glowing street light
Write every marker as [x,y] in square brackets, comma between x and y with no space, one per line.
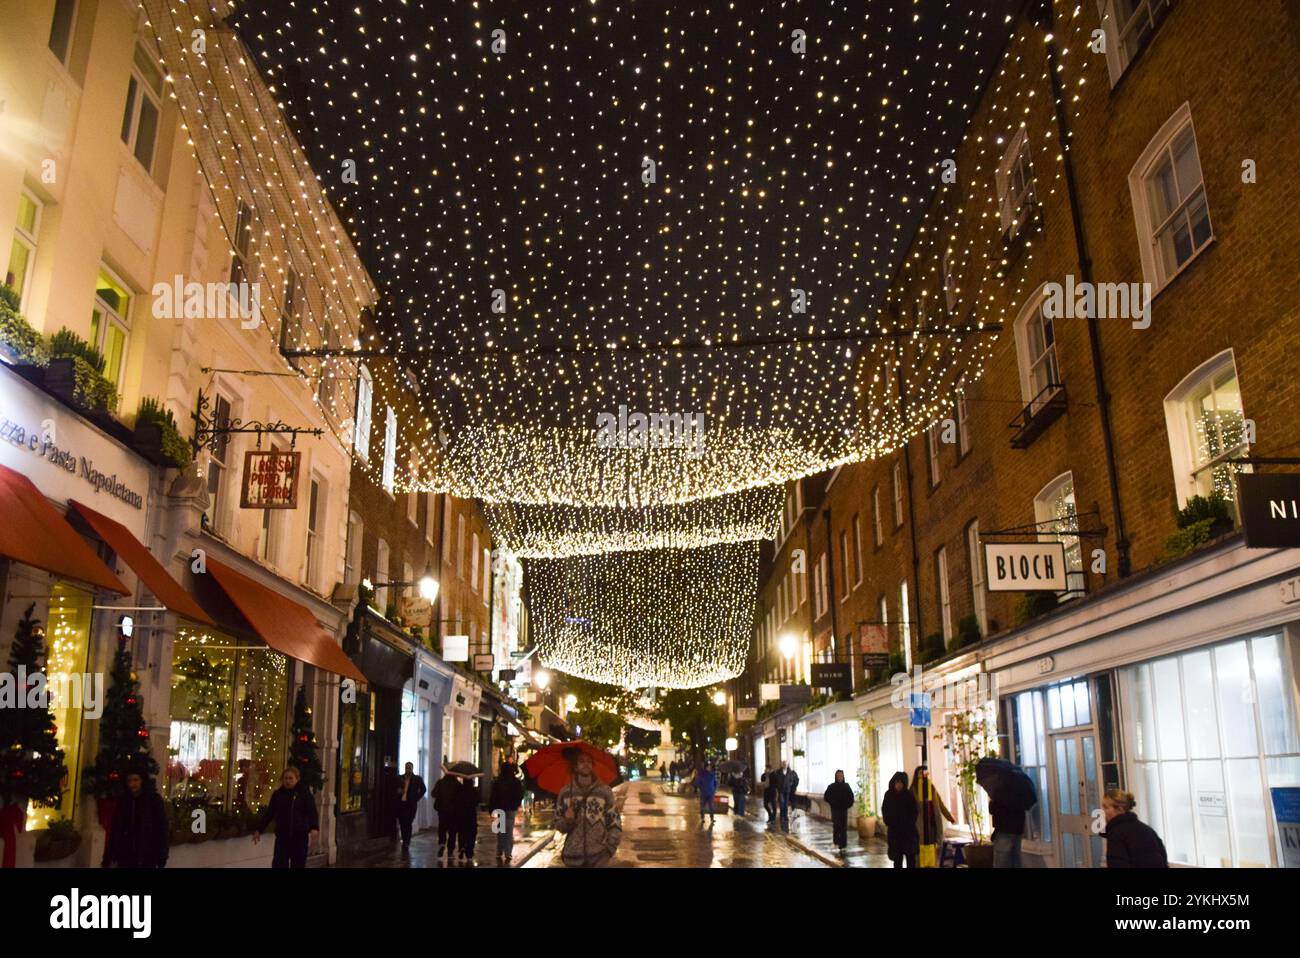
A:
[542,679]
[719,697]
[732,744]
[571,701]
[428,585]
[788,645]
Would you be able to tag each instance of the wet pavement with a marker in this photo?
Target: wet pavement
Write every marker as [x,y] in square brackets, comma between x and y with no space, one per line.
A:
[530,832]
[663,830]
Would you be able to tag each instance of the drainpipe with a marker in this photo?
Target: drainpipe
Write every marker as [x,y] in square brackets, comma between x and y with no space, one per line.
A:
[1085,269]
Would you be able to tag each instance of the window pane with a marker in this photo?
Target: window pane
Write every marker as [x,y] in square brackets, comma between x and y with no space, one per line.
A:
[148,69]
[114,347]
[1169,717]
[1249,814]
[201,700]
[1276,705]
[16,275]
[61,28]
[1236,699]
[1180,839]
[1211,801]
[1082,711]
[27,214]
[259,744]
[131,94]
[1187,168]
[1163,191]
[1202,718]
[113,295]
[147,134]
[1054,707]
[1067,706]
[1150,796]
[1138,683]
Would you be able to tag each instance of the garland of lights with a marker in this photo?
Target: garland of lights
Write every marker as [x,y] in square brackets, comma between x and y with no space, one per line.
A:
[671,618]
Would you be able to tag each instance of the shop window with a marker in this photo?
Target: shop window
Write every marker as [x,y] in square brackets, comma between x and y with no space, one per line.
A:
[1058,520]
[1030,743]
[1128,25]
[352,752]
[1207,428]
[109,323]
[202,701]
[1169,202]
[61,28]
[1210,731]
[261,728]
[1068,705]
[67,640]
[22,254]
[143,108]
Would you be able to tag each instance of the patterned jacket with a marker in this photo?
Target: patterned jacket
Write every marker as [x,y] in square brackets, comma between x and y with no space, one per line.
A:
[596,829]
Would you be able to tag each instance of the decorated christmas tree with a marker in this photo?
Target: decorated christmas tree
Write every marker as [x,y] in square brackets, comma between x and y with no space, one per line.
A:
[302,745]
[31,762]
[123,735]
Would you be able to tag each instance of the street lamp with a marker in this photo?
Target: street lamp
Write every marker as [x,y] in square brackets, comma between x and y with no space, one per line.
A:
[428,585]
[542,679]
[732,744]
[719,697]
[788,645]
[571,701]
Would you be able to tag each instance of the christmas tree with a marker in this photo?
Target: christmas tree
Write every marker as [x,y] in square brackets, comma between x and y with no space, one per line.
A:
[31,762]
[123,735]
[302,746]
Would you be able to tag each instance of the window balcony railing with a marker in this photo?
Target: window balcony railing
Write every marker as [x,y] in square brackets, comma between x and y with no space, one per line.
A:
[1043,410]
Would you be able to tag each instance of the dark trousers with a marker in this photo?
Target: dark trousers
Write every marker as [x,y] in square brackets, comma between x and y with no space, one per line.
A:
[446,832]
[769,803]
[840,826]
[785,810]
[405,818]
[907,855]
[290,852]
[738,794]
[468,833]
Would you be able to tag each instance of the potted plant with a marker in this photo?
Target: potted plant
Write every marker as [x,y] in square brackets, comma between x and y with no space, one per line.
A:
[933,648]
[868,774]
[76,373]
[968,631]
[157,437]
[58,840]
[1203,519]
[19,341]
[971,737]
[1034,604]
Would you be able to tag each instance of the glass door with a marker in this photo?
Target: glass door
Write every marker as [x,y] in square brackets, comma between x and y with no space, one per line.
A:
[1078,795]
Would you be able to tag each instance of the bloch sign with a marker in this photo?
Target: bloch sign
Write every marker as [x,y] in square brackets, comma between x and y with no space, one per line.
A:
[1025,566]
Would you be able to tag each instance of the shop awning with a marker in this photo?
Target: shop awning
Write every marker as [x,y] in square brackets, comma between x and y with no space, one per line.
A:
[151,572]
[32,532]
[283,624]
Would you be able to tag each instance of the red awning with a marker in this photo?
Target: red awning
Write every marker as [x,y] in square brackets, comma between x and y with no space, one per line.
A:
[32,532]
[283,624]
[132,551]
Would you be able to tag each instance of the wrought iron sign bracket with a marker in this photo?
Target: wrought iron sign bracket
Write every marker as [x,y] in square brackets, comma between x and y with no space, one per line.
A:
[1036,529]
[207,430]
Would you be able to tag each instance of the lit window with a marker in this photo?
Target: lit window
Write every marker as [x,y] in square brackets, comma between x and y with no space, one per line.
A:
[905,625]
[22,255]
[875,516]
[977,576]
[963,424]
[1207,427]
[945,597]
[898,494]
[143,108]
[390,449]
[352,557]
[1128,25]
[1040,375]
[382,575]
[1057,518]
[365,401]
[1169,202]
[109,327]
[932,447]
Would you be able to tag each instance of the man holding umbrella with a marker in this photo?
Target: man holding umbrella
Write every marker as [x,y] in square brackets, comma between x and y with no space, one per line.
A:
[1011,793]
[585,809]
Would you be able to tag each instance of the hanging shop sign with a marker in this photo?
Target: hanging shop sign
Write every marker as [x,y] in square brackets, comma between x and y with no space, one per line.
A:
[415,610]
[918,709]
[796,694]
[1270,509]
[1025,566]
[270,479]
[484,662]
[873,638]
[835,676]
[769,692]
[455,648]
[747,714]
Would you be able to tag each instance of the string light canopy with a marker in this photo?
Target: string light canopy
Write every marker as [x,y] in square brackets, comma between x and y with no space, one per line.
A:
[671,618]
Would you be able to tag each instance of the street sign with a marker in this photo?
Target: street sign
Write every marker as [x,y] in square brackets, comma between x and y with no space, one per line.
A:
[796,694]
[836,676]
[746,714]
[769,692]
[918,709]
[1270,509]
[875,661]
[1025,566]
[270,479]
[455,648]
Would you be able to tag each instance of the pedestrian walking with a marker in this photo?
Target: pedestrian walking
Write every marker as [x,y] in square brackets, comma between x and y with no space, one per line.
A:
[931,811]
[663,772]
[739,789]
[444,792]
[1008,832]
[293,811]
[587,815]
[410,789]
[506,796]
[839,796]
[898,810]
[464,814]
[789,786]
[1130,842]
[706,783]
[138,835]
[771,785]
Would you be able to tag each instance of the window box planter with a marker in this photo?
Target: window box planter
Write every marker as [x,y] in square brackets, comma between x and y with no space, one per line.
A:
[75,381]
[160,443]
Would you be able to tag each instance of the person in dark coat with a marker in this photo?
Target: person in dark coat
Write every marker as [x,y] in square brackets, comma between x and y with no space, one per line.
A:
[1130,842]
[772,786]
[410,789]
[293,810]
[706,785]
[899,813]
[789,788]
[464,816]
[1008,832]
[739,789]
[139,831]
[839,796]
[505,797]
[444,791]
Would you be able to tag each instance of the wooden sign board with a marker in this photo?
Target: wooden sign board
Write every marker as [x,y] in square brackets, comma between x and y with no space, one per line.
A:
[415,611]
[270,479]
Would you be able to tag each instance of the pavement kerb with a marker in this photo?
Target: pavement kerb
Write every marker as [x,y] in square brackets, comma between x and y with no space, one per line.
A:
[809,850]
[534,848]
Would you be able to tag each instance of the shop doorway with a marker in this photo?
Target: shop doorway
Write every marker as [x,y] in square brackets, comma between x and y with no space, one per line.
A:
[1076,772]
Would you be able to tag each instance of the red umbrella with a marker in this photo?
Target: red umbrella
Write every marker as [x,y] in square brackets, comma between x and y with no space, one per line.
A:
[551,767]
